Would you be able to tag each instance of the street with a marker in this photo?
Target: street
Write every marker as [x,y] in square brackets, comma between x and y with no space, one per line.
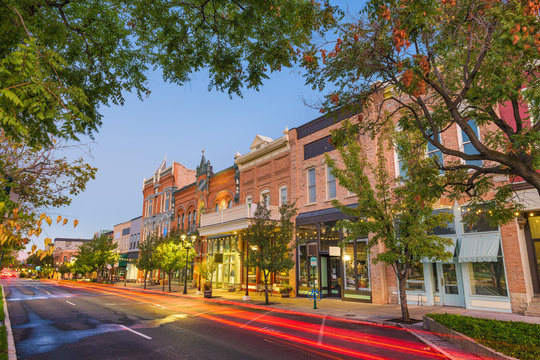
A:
[53,321]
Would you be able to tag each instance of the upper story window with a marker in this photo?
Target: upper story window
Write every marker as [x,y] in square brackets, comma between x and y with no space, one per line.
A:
[229,204]
[150,207]
[330,184]
[167,201]
[265,198]
[282,195]
[189,218]
[182,222]
[468,147]
[249,200]
[216,208]
[194,216]
[434,152]
[481,223]
[312,190]
[449,229]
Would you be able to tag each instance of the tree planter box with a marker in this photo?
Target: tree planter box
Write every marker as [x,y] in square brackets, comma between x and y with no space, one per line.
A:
[285,295]
[208,294]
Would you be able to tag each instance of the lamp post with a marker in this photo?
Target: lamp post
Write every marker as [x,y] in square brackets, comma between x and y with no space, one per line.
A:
[187,245]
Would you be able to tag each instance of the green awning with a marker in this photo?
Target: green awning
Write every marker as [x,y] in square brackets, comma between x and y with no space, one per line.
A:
[479,248]
[449,248]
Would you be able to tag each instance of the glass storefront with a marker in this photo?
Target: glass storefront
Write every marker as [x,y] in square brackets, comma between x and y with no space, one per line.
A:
[488,278]
[226,254]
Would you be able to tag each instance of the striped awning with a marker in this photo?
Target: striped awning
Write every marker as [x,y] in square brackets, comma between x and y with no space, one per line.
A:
[479,248]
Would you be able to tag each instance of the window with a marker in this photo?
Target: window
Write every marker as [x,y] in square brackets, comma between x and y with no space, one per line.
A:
[481,223]
[182,223]
[229,204]
[249,200]
[282,195]
[150,208]
[167,201]
[434,153]
[468,147]
[488,278]
[216,208]
[400,165]
[450,228]
[356,265]
[415,280]
[330,184]
[312,195]
[189,219]
[194,217]
[265,198]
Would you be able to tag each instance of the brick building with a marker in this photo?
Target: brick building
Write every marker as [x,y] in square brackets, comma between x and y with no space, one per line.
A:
[66,249]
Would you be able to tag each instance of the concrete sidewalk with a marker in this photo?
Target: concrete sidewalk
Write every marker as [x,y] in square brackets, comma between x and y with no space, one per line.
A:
[339,308]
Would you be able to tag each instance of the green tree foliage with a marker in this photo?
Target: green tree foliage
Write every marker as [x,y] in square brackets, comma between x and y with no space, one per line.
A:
[87,54]
[64,269]
[440,64]
[95,255]
[172,255]
[146,260]
[398,215]
[207,270]
[270,249]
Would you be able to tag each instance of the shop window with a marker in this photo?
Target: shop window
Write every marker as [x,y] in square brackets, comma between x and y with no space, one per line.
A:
[488,278]
[306,274]
[481,223]
[312,188]
[468,147]
[415,280]
[329,235]
[227,245]
[356,265]
[449,229]
[282,278]
[305,233]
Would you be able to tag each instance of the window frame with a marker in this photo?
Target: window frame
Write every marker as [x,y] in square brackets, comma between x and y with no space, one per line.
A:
[462,143]
[328,182]
[265,195]
[284,187]
[310,186]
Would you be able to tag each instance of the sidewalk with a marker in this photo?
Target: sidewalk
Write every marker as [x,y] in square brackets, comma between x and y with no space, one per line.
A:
[339,308]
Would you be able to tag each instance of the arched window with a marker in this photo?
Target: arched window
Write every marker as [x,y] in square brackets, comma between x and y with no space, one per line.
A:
[182,223]
[217,207]
[265,198]
[229,204]
[189,219]
[194,216]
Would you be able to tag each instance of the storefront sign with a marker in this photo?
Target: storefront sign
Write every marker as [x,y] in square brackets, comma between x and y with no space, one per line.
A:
[334,251]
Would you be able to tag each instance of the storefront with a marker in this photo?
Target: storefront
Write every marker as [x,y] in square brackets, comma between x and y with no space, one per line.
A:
[341,272]
[474,277]
[532,234]
[225,250]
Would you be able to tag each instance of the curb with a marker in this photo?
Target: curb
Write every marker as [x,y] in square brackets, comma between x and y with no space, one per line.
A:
[12,354]
[429,343]
[463,341]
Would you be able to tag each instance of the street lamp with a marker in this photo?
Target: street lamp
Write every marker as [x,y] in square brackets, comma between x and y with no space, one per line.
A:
[187,245]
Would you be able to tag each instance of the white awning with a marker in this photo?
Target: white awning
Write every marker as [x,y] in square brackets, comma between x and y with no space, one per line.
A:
[479,248]
[449,248]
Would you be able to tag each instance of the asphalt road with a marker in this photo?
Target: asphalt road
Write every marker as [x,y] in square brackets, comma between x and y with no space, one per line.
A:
[53,321]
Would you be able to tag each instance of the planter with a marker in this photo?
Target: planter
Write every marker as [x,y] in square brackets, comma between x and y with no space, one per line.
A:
[285,295]
[208,294]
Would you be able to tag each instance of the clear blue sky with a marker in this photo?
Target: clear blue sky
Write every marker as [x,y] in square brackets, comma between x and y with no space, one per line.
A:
[177,122]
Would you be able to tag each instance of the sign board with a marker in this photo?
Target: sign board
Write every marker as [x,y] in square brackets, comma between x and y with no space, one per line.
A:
[109,266]
[38,268]
[334,251]
[313,261]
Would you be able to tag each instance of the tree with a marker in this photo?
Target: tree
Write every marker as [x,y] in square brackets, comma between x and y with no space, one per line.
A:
[171,256]
[441,64]
[147,261]
[65,268]
[270,242]
[96,254]
[398,214]
[207,270]
[82,56]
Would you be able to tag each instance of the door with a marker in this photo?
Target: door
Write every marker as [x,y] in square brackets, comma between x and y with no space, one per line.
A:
[532,234]
[451,284]
[334,278]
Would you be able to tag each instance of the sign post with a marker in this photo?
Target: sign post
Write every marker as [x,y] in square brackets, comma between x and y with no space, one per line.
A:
[314,294]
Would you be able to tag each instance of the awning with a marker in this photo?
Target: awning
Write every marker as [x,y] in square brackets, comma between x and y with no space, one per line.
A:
[323,215]
[479,248]
[449,248]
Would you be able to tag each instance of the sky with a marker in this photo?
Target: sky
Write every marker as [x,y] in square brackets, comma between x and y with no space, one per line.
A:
[176,123]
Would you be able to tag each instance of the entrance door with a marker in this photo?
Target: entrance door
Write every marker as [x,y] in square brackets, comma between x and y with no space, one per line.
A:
[451,284]
[334,276]
[532,234]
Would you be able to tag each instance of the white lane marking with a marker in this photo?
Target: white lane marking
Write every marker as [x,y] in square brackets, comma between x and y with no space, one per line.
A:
[161,306]
[136,332]
[255,318]
[321,332]
[70,303]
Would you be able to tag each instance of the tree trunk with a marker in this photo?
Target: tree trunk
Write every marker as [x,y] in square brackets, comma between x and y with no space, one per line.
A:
[266,302]
[170,272]
[145,276]
[162,281]
[403,297]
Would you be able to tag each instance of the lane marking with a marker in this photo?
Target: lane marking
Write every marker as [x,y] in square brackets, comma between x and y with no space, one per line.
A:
[321,332]
[255,318]
[136,332]
[70,303]
[161,306]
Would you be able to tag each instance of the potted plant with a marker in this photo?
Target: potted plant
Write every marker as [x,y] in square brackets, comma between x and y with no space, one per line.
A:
[285,291]
[207,287]
[207,272]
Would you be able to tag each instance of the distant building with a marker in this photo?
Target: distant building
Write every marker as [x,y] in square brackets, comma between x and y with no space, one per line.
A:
[127,236]
[103,232]
[66,249]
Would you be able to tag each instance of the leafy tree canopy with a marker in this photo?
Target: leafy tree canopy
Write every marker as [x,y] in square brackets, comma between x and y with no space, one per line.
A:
[436,64]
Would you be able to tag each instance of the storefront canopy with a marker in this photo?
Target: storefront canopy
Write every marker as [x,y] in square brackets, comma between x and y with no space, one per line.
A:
[479,248]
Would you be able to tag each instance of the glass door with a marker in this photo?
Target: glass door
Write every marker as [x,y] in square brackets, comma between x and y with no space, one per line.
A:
[324,275]
[451,284]
[334,278]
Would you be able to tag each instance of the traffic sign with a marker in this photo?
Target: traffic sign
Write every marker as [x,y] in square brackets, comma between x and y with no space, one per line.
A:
[313,261]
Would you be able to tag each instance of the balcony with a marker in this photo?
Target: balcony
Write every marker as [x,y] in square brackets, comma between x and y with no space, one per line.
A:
[234,218]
